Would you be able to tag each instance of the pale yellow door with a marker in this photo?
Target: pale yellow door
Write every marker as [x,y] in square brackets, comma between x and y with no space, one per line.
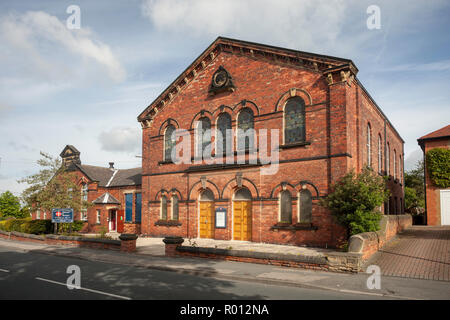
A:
[242,220]
[207,220]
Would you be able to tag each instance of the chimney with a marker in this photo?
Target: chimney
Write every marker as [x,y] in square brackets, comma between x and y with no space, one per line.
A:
[111,165]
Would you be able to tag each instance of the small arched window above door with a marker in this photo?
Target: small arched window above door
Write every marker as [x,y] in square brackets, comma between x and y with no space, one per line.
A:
[243,194]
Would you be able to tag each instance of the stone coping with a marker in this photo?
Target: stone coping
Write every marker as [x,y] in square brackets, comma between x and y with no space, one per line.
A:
[27,235]
[255,254]
[83,239]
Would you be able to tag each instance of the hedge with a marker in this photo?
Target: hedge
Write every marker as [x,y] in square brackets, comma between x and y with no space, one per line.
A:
[27,225]
[438,164]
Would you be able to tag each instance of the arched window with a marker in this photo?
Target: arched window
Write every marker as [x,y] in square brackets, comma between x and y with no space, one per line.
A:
[175,207]
[224,129]
[203,137]
[395,164]
[294,120]
[169,143]
[369,145]
[246,135]
[163,208]
[84,192]
[207,195]
[285,207]
[388,165]
[305,206]
[380,155]
[242,194]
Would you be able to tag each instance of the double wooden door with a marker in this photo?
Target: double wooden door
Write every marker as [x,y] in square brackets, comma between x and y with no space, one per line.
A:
[242,220]
[207,220]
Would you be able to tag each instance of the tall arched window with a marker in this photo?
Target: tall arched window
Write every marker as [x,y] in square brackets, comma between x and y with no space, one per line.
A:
[380,154]
[294,120]
[163,208]
[395,164]
[224,128]
[169,143]
[388,156]
[246,135]
[285,207]
[203,136]
[369,145]
[305,210]
[84,192]
[175,208]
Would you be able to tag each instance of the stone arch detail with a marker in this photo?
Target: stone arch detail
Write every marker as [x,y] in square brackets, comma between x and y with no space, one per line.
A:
[310,186]
[166,123]
[245,104]
[232,185]
[200,114]
[197,189]
[293,92]
[283,186]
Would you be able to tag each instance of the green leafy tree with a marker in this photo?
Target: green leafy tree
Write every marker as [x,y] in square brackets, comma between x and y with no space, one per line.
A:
[438,165]
[53,187]
[10,205]
[355,200]
[414,189]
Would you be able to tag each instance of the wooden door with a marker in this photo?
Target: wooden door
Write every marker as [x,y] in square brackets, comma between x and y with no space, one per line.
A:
[242,220]
[120,220]
[207,220]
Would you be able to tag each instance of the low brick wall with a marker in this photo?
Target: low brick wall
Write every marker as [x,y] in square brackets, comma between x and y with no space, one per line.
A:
[336,261]
[368,243]
[50,239]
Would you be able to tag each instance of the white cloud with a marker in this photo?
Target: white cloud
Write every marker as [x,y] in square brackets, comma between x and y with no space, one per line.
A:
[42,46]
[121,139]
[309,24]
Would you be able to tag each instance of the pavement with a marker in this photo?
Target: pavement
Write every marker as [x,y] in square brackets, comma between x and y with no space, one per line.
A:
[357,284]
[420,252]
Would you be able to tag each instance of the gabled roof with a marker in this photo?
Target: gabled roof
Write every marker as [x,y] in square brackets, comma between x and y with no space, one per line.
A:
[107,177]
[71,148]
[438,134]
[317,62]
[106,198]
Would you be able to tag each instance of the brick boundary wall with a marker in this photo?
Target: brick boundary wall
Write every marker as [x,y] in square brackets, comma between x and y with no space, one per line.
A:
[335,261]
[50,239]
[368,243]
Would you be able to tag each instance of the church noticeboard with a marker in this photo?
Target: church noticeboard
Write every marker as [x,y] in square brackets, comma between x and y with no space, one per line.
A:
[221,218]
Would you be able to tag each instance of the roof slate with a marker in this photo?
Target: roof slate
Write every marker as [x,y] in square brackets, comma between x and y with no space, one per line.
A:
[440,133]
[106,198]
[122,177]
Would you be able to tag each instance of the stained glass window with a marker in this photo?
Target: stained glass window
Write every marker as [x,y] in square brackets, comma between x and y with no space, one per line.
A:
[163,208]
[204,135]
[246,127]
[224,128]
[305,206]
[169,143]
[294,121]
[285,207]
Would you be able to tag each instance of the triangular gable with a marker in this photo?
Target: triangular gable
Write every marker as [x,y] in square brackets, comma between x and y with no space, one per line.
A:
[316,62]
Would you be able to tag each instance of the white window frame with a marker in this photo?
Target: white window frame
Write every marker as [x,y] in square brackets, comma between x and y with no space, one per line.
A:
[98,217]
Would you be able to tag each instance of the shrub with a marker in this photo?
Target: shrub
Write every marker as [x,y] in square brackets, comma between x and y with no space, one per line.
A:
[438,165]
[355,200]
[38,227]
[76,226]
[13,224]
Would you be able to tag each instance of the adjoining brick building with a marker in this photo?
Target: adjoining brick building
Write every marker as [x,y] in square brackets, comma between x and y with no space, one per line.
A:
[328,125]
[114,193]
[437,199]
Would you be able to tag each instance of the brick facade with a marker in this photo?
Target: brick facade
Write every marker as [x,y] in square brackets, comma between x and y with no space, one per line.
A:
[337,112]
[436,139]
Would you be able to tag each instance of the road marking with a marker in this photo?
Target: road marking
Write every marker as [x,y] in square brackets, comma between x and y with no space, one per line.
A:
[86,289]
[3,270]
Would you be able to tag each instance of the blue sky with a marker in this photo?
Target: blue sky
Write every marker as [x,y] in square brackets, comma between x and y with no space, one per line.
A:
[86,87]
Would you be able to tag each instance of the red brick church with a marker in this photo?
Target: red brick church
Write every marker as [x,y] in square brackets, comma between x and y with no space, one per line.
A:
[328,124]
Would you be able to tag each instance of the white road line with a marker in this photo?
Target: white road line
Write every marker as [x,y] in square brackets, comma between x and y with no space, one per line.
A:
[3,270]
[86,289]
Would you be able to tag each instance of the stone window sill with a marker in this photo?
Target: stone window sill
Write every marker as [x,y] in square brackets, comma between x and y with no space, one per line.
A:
[296,226]
[168,223]
[294,145]
[165,162]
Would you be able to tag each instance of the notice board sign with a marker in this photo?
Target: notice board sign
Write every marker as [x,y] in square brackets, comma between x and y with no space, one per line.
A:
[221,218]
[62,215]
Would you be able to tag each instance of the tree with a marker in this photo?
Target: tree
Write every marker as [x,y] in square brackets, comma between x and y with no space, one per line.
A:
[53,187]
[355,200]
[414,189]
[10,205]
